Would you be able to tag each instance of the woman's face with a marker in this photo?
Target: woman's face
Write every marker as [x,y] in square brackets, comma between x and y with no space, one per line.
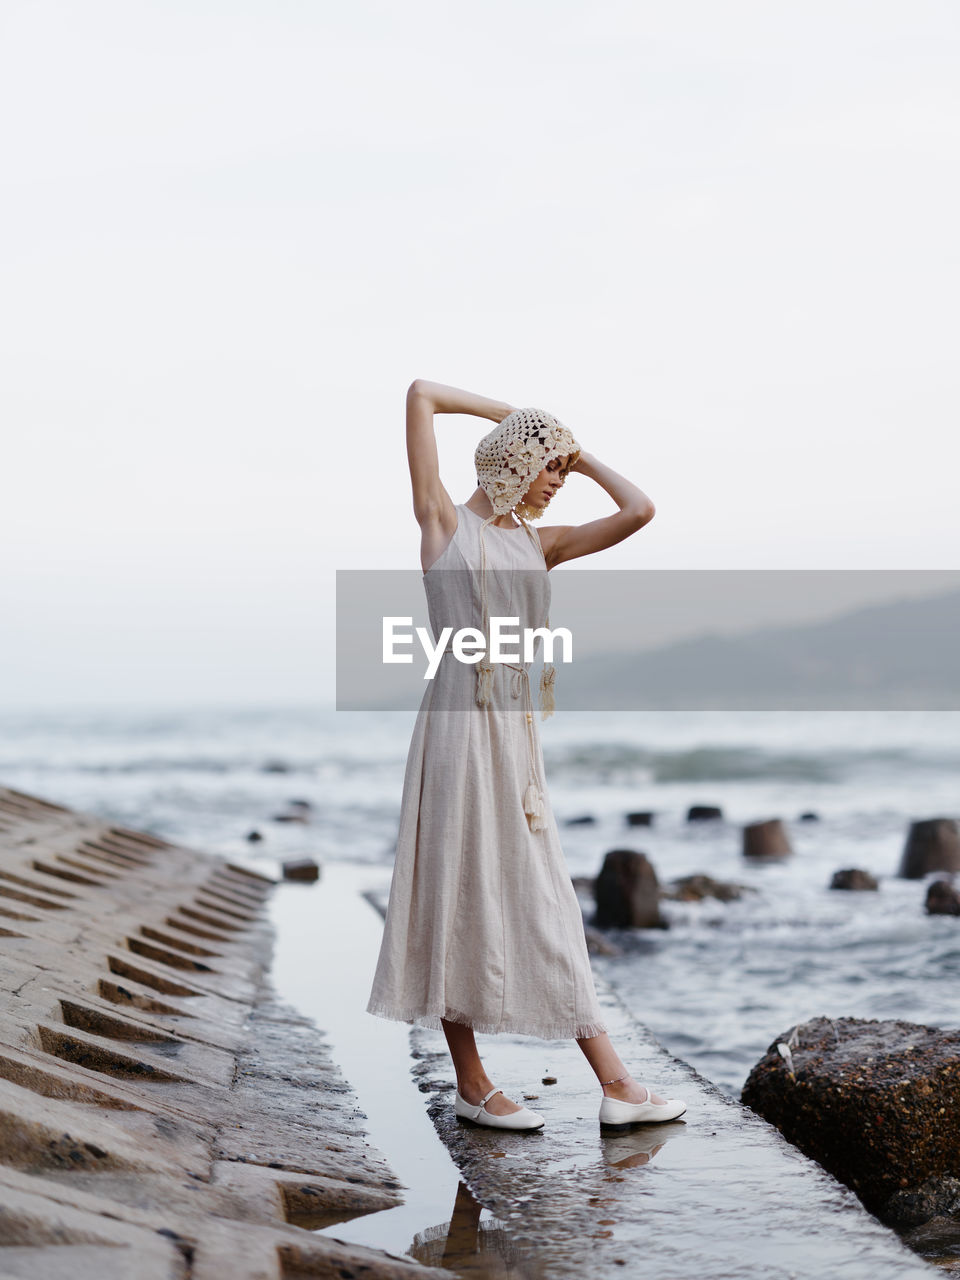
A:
[544,486]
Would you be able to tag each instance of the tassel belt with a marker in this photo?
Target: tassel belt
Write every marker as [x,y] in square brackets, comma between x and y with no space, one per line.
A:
[533,805]
[533,802]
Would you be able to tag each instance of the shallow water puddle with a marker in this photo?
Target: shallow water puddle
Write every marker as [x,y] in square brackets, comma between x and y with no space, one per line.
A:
[326,947]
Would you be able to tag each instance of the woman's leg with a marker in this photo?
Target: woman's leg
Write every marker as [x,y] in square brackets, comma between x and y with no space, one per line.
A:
[472,1081]
[602,1056]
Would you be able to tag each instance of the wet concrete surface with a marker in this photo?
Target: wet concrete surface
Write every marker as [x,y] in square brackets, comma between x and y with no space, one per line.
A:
[718,1193]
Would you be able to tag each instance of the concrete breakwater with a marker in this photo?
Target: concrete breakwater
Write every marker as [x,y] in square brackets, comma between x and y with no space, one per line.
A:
[716,1193]
[163,1116]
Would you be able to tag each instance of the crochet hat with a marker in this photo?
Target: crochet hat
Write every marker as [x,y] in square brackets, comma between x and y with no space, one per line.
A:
[511,456]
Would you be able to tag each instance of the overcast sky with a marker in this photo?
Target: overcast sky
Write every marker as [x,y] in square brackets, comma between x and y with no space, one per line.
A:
[718,240]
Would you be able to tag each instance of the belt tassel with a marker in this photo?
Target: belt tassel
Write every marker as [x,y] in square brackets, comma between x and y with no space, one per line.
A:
[533,807]
[484,682]
[548,702]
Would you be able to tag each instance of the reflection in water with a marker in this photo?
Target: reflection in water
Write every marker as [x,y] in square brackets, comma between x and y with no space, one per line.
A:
[475,1248]
[631,1150]
[466,1244]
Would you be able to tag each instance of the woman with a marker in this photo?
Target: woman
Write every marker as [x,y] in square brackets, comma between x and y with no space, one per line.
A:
[483,931]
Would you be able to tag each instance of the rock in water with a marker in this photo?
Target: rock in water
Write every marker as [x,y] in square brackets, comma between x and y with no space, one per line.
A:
[598,944]
[854,878]
[301,869]
[943,900]
[876,1103]
[932,845]
[699,886]
[767,839]
[642,818]
[627,892]
[704,812]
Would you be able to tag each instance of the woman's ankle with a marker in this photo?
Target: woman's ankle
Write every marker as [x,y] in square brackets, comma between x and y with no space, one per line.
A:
[614,1087]
[473,1088]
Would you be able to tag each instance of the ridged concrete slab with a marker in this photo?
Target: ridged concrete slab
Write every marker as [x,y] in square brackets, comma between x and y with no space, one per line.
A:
[163,1116]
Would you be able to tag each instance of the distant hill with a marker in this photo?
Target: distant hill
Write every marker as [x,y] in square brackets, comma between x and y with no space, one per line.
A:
[901,655]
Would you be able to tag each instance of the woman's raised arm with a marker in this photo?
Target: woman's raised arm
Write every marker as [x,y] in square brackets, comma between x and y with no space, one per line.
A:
[431,502]
[568,541]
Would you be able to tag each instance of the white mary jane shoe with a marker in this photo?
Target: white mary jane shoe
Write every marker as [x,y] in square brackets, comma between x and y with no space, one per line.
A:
[522,1119]
[618,1115]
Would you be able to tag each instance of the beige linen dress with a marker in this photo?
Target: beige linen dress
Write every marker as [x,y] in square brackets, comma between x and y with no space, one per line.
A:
[483,926]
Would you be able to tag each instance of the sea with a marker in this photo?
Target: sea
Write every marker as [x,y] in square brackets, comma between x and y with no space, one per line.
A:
[718,986]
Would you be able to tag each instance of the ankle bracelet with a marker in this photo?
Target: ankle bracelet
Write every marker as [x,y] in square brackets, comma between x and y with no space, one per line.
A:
[618,1079]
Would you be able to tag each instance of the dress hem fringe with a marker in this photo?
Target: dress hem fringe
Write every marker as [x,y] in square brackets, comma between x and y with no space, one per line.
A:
[541,1031]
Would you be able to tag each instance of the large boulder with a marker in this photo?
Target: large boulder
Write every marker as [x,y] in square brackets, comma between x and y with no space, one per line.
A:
[627,892]
[932,845]
[876,1103]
